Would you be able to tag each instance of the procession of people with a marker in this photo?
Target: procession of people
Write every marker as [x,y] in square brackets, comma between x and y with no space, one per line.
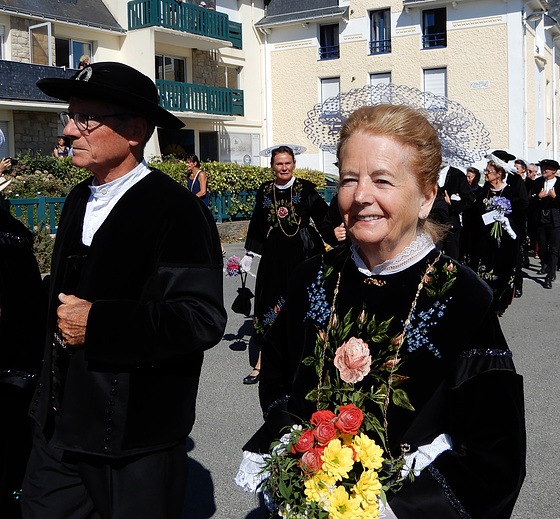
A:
[385,305]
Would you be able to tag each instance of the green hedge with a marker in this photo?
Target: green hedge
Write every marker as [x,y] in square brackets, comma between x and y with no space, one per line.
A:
[52,177]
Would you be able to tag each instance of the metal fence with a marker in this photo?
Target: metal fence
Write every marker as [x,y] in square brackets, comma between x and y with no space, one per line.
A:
[45,212]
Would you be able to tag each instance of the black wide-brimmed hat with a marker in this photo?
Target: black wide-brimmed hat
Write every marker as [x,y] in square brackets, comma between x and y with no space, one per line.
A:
[114,83]
[502,155]
[549,164]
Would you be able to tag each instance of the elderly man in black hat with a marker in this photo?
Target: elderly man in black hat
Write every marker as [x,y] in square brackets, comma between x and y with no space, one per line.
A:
[135,299]
[545,201]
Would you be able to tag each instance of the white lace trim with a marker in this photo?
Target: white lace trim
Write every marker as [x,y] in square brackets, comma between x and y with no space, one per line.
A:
[412,254]
[250,474]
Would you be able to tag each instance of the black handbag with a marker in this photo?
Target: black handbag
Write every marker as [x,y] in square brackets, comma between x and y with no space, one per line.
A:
[242,303]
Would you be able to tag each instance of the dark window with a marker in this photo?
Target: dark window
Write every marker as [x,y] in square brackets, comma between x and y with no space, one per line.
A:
[434,33]
[62,52]
[380,41]
[328,42]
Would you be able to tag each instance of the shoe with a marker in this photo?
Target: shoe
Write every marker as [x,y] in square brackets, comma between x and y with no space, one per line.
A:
[543,270]
[547,283]
[252,379]
[518,292]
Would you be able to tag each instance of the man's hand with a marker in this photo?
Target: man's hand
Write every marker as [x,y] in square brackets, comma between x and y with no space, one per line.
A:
[72,319]
[447,198]
[5,164]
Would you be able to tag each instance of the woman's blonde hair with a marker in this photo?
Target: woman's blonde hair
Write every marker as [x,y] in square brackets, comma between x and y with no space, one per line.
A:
[410,127]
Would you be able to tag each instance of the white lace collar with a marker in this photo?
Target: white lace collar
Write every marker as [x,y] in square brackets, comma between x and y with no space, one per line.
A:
[287,184]
[412,254]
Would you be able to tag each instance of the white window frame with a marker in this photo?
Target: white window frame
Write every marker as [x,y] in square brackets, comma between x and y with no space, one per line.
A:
[49,42]
[181,58]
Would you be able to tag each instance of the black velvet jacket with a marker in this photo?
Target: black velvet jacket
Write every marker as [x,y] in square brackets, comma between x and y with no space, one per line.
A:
[154,275]
[460,377]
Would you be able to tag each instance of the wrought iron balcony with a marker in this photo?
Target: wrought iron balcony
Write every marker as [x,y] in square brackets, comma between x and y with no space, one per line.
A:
[434,40]
[380,46]
[183,17]
[186,97]
[329,52]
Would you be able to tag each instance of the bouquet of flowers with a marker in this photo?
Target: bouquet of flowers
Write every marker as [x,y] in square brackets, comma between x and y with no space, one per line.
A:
[328,469]
[242,303]
[233,267]
[499,206]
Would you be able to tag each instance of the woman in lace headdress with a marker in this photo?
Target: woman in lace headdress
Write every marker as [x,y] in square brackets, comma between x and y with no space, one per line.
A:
[408,335]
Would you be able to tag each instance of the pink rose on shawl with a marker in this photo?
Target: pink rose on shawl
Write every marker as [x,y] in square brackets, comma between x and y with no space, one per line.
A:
[353,360]
[282,212]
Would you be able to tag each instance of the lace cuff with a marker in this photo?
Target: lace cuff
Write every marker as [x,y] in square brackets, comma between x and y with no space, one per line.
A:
[426,454]
[251,474]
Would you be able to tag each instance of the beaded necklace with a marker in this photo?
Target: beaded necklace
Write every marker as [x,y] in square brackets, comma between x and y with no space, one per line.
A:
[397,351]
[298,222]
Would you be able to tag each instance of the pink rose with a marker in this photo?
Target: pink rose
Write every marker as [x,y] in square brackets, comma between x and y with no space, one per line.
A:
[311,461]
[353,360]
[282,212]
[305,442]
[349,419]
[322,416]
[325,432]
[392,363]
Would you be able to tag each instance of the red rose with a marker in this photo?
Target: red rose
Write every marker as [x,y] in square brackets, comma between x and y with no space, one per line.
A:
[349,419]
[311,461]
[322,416]
[325,432]
[282,212]
[305,442]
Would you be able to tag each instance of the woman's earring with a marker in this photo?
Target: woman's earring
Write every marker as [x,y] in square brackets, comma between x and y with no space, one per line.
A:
[424,216]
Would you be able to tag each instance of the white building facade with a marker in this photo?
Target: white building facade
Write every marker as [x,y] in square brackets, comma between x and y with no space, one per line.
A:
[206,63]
[497,59]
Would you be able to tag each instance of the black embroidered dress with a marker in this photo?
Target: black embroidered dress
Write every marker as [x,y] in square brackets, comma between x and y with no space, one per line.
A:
[281,232]
[454,376]
[495,260]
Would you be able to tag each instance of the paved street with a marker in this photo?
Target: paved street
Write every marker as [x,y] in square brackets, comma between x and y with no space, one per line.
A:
[228,412]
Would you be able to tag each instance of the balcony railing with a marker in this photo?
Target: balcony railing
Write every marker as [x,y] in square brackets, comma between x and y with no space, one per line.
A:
[434,40]
[185,97]
[380,46]
[329,52]
[183,17]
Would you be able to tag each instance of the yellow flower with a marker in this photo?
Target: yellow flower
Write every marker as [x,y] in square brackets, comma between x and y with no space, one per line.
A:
[370,511]
[368,487]
[368,452]
[337,460]
[319,487]
[341,506]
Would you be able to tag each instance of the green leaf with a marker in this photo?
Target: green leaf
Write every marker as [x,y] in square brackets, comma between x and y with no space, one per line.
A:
[400,398]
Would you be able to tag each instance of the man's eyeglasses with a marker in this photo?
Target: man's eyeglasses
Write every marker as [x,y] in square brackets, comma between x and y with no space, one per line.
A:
[488,171]
[82,120]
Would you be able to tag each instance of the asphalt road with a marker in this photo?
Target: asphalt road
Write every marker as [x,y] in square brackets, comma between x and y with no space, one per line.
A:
[228,412]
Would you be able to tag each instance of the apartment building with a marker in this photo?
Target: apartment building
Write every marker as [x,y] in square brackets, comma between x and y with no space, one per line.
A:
[206,63]
[496,58]
[243,74]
